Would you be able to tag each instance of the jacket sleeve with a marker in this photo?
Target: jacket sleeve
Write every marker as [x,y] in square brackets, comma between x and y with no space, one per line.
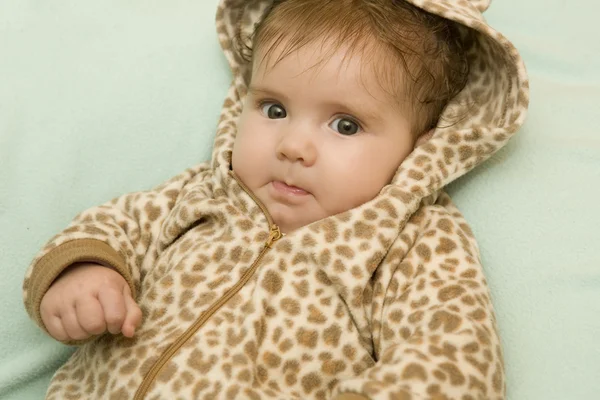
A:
[121,234]
[433,322]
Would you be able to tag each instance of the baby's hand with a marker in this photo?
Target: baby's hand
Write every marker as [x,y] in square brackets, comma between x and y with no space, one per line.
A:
[89,299]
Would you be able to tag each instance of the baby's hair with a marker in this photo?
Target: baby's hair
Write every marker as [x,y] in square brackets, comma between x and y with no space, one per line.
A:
[393,33]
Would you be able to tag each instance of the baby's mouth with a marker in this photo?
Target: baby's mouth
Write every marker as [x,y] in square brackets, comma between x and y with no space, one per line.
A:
[289,189]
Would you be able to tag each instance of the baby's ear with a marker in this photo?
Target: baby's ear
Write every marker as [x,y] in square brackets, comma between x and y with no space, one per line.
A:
[424,137]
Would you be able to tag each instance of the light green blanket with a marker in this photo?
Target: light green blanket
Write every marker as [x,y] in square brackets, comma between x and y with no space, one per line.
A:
[103,98]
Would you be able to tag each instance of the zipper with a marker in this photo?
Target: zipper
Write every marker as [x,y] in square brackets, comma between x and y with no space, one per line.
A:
[274,235]
[256,200]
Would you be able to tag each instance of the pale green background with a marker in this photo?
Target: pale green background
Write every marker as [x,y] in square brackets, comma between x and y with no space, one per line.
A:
[101,98]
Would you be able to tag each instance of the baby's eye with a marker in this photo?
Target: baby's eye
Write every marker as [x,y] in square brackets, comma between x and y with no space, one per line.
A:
[345,126]
[273,111]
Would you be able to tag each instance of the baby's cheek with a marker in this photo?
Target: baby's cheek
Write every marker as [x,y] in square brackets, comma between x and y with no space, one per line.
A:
[352,194]
[242,151]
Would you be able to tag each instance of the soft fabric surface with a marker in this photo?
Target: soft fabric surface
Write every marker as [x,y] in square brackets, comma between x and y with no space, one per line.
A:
[101,99]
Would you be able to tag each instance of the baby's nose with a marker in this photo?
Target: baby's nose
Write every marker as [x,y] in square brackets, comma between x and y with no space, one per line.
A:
[297,146]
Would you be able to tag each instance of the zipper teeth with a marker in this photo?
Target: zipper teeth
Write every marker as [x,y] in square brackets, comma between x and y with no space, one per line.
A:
[168,354]
[274,235]
[249,192]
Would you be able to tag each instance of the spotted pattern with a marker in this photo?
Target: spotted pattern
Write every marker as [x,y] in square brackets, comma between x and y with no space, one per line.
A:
[385,301]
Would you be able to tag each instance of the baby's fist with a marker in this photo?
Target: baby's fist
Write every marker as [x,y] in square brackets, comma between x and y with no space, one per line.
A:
[89,299]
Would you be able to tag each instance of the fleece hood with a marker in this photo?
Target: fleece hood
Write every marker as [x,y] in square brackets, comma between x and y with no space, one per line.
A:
[492,105]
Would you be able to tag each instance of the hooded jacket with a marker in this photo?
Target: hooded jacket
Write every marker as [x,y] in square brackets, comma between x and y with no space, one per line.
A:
[384,301]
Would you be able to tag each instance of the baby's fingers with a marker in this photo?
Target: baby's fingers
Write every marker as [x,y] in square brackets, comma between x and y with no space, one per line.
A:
[90,315]
[134,314]
[55,327]
[50,313]
[72,326]
[113,305]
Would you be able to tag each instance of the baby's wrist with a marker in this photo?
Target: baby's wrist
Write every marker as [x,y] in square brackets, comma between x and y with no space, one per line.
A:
[79,265]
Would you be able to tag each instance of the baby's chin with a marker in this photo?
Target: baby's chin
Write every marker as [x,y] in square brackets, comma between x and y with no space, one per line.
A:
[289,221]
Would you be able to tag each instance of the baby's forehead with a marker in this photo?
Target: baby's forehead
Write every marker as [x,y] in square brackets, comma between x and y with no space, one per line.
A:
[371,65]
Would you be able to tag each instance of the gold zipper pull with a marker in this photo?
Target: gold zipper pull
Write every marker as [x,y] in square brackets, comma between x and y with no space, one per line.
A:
[274,236]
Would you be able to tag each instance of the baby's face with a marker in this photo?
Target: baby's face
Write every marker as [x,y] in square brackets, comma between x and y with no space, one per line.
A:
[314,142]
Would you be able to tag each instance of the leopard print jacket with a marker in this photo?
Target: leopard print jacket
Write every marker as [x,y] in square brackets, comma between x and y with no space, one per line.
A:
[385,301]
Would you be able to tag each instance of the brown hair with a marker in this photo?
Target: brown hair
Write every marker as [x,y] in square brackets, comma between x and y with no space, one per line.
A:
[428,47]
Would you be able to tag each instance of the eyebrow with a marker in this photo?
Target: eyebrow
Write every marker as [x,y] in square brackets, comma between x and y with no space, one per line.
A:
[365,116]
[267,92]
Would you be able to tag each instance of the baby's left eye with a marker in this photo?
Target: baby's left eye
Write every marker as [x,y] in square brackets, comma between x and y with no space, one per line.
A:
[345,126]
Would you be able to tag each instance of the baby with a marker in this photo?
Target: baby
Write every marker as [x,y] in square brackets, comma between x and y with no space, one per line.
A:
[316,256]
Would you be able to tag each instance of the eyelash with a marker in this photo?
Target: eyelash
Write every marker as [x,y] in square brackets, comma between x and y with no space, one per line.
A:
[349,118]
[261,103]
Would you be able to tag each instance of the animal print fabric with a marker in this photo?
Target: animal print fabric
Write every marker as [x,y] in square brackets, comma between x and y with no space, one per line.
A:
[385,301]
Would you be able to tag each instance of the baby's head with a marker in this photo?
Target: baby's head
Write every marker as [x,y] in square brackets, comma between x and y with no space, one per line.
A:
[340,94]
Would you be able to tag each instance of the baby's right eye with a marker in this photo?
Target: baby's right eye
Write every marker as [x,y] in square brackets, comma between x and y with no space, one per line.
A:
[273,110]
